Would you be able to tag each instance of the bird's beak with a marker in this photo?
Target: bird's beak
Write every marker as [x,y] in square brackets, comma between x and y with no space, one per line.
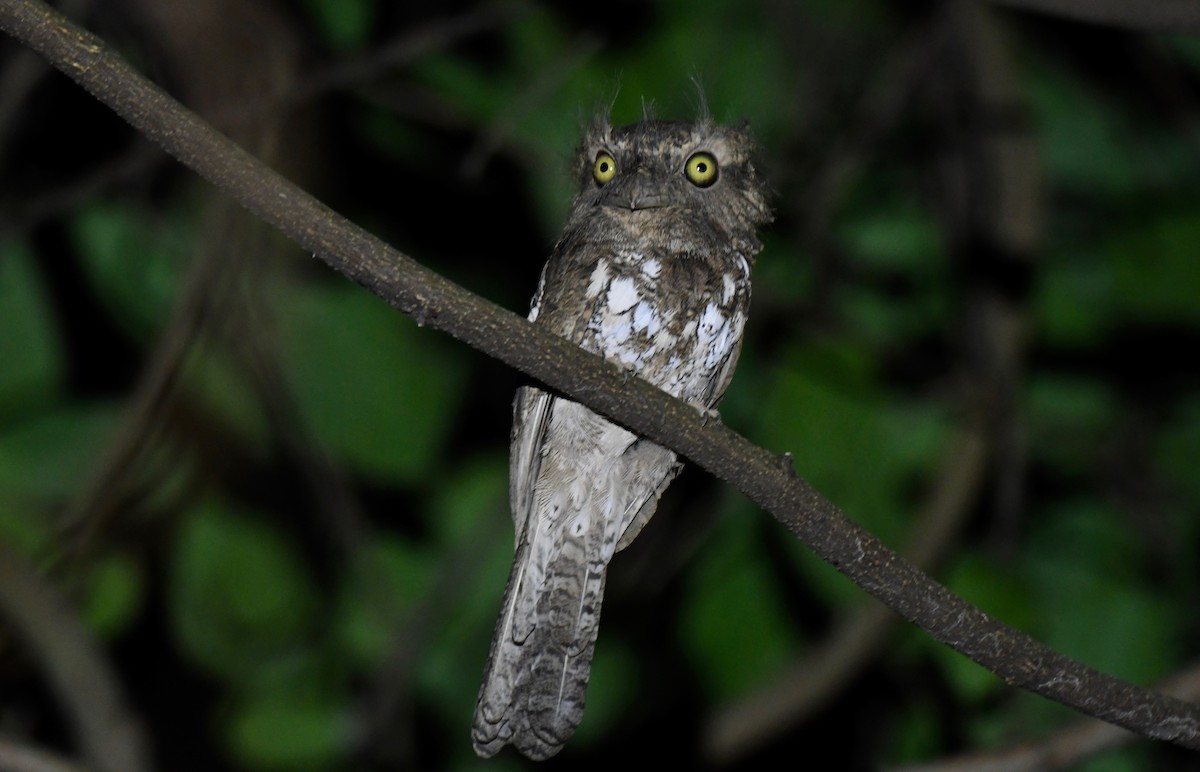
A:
[634,193]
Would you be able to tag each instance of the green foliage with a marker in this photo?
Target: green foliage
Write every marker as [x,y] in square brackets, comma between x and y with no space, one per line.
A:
[134,261]
[1133,759]
[240,595]
[735,628]
[48,455]
[115,593]
[1069,418]
[32,363]
[1073,299]
[915,736]
[1081,142]
[344,24]
[221,385]
[389,579]
[1178,448]
[1092,602]
[1154,268]
[472,531]
[611,692]
[378,394]
[895,235]
[277,732]
[847,437]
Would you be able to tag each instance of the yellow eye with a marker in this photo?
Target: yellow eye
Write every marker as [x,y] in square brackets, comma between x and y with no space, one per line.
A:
[701,169]
[604,169]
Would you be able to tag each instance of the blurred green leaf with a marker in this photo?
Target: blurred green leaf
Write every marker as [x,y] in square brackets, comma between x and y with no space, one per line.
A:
[741,83]
[239,592]
[135,262]
[224,388]
[49,455]
[1069,418]
[474,502]
[344,24]
[845,439]
[1129,759]
[782,275]
[1072,299]
[390,577]
[26,529]
[29,347]
[465,84]
[115,591]
[1155,270]
[613,687]
[1175,454]
[379,393]
[900,237]
[386,601]
[470,518]
[735,626]
[274,733]
[915,736]
[452,667]
[1185,45]
[397,139]
[1089,598]
[1079,138]
[861,452]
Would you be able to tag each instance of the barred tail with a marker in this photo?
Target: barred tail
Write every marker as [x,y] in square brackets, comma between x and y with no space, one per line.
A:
[535,680]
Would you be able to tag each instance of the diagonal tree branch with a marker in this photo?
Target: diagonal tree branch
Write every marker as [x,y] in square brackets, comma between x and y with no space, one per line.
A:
[110,736]
[1066,748]
[1160,15]
[432,300]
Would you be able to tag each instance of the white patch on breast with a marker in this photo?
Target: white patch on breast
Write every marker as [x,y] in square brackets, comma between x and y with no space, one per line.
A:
[711,322]
[652,268]
[622,294]
[628,355]
[615,330]
[598,280]
[727,289]
[645,319]
[713,335]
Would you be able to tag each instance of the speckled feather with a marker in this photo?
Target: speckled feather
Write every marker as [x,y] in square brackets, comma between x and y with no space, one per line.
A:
[653,273]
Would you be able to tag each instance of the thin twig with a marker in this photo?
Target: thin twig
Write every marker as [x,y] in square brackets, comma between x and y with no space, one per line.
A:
[1077,742]
[22,758]
[808,683]
[402,51]
[575,55]
[109,735]
[1159,15]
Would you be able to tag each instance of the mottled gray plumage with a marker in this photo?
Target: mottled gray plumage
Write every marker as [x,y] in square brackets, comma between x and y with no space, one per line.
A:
[652,272]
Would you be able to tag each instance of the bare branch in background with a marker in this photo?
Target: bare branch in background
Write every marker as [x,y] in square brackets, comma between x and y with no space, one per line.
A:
[1159,15]
[809,683]
[110,737]
[1065,749]
[20,758]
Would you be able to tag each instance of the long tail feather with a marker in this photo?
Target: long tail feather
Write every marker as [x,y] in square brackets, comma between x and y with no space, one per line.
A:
[534,687]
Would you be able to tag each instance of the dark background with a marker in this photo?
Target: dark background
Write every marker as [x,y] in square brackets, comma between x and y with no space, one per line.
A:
[278,508]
